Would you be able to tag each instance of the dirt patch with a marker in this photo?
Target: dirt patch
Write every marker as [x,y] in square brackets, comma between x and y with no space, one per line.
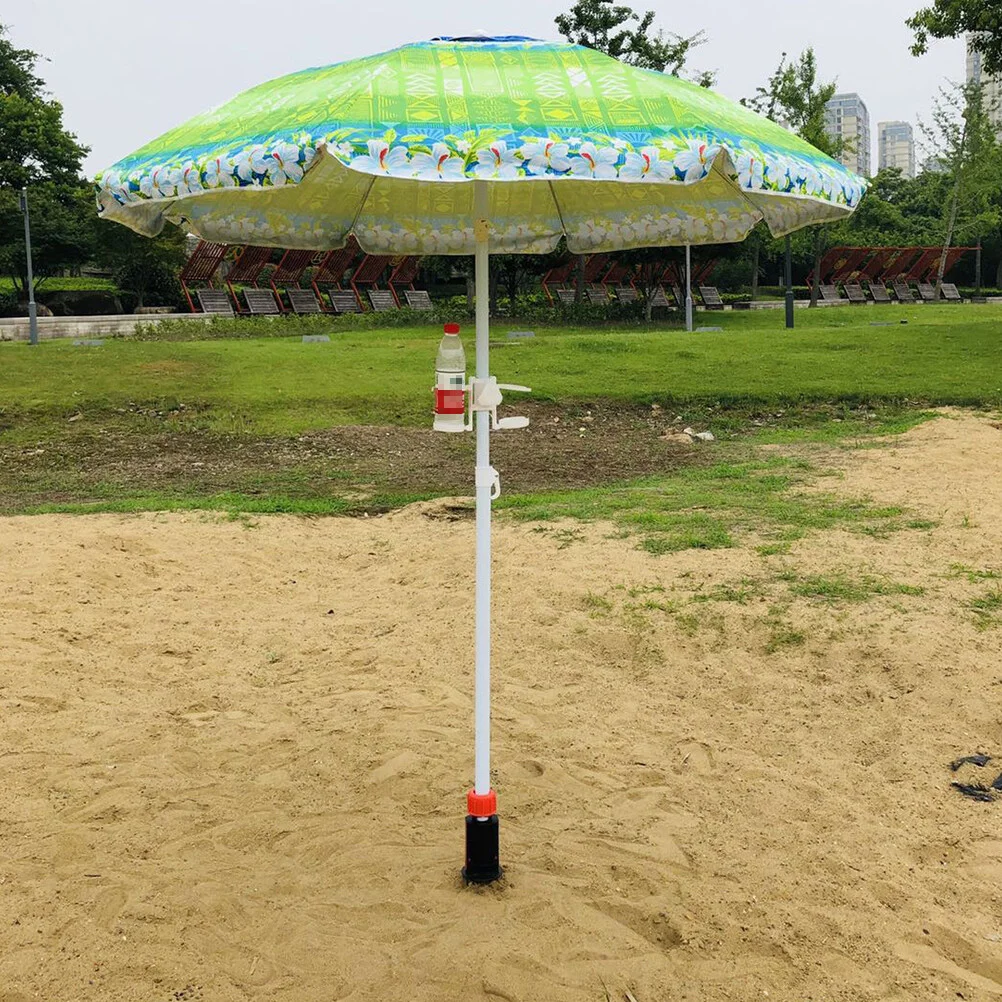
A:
[235,758]
[561,449]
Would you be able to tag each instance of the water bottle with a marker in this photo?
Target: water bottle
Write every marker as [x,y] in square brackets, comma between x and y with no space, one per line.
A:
[450,382]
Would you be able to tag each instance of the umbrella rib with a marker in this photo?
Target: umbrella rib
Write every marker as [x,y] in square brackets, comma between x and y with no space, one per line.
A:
[361,206]
[755,209]
[556,205]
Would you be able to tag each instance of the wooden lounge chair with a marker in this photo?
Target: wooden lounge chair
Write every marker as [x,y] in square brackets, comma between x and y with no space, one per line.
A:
[951,293]
[617,276]
[332,268]
[904,293]
[597,296]
[303,301]
[928,292]
[659,301]
[289,273]
[215,301]
[343,301]
[855,292]
[711,297]
[566,297]
[368,275]
[596,265]
[403,275]
[557,278]
[830,294]
[261,302]
[418,299]
[879,292]
[382,300]
[677,295]
[246,270]
[626,294]
[201,267]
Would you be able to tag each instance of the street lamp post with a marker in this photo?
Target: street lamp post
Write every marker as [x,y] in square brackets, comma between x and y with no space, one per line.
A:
[789,283]
[32,309]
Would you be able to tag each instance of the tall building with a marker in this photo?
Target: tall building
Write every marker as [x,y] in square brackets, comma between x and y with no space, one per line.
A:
[991,87]
[846,118]
[896,147]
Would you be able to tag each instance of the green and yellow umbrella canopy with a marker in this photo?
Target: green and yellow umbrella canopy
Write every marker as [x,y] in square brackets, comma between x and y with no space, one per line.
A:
[571,141]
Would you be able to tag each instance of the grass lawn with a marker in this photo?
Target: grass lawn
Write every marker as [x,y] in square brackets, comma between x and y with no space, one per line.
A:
[943,355]
[272,424]
[64,284]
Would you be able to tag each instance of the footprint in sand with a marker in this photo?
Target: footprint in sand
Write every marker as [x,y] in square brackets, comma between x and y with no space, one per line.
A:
[654,926]
[695,756]
[404,762]
[247,967]
[941,949]
[985,860]
[938,853]
[108,906]
[527,768]
[45,703]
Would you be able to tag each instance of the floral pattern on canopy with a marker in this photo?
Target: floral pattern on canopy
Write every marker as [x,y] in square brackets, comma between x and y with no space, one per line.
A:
[573,143]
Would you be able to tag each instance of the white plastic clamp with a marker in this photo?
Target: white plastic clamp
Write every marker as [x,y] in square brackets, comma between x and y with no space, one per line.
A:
[487,476]
[485,395]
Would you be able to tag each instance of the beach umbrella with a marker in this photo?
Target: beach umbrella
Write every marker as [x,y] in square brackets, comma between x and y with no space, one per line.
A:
[478,145]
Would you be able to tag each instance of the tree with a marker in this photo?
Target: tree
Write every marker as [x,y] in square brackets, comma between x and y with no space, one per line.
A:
[962,138]
[981,19]
[796,99]
[148,268]
[37,152]
[620,32]
[647,268]
[897,212]
[513,273]
[17,69]
[753,245]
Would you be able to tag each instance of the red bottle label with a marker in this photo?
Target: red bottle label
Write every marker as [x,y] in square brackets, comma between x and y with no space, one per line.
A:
[449,402]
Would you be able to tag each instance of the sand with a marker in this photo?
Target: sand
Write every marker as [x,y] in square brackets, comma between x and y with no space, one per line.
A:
[235,756]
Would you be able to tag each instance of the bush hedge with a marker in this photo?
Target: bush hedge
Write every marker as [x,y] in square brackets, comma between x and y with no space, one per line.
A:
[530,311]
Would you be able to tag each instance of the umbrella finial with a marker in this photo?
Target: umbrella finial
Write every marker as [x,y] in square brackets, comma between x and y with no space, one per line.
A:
[484,36]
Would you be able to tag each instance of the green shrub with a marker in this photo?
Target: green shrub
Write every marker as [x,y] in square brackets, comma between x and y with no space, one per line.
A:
[527,311]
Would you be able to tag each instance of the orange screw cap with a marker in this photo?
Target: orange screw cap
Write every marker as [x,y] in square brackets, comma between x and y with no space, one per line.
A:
[481,805]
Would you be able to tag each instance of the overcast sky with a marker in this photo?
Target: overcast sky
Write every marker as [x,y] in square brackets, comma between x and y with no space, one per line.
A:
[126,73]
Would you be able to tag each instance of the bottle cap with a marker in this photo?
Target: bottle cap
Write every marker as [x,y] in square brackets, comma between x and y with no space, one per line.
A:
[451,328]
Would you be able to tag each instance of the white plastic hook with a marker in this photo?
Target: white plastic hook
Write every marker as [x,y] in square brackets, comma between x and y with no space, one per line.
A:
[485,395]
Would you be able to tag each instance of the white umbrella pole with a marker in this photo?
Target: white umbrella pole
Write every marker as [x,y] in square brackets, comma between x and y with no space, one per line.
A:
[482,705]
[482,828]
[688,287]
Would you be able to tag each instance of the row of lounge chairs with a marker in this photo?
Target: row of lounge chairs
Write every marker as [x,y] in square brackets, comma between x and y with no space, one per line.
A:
[880,293]
[345,280]
[877,292]
[266,302]
[601,272]
[602,295]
